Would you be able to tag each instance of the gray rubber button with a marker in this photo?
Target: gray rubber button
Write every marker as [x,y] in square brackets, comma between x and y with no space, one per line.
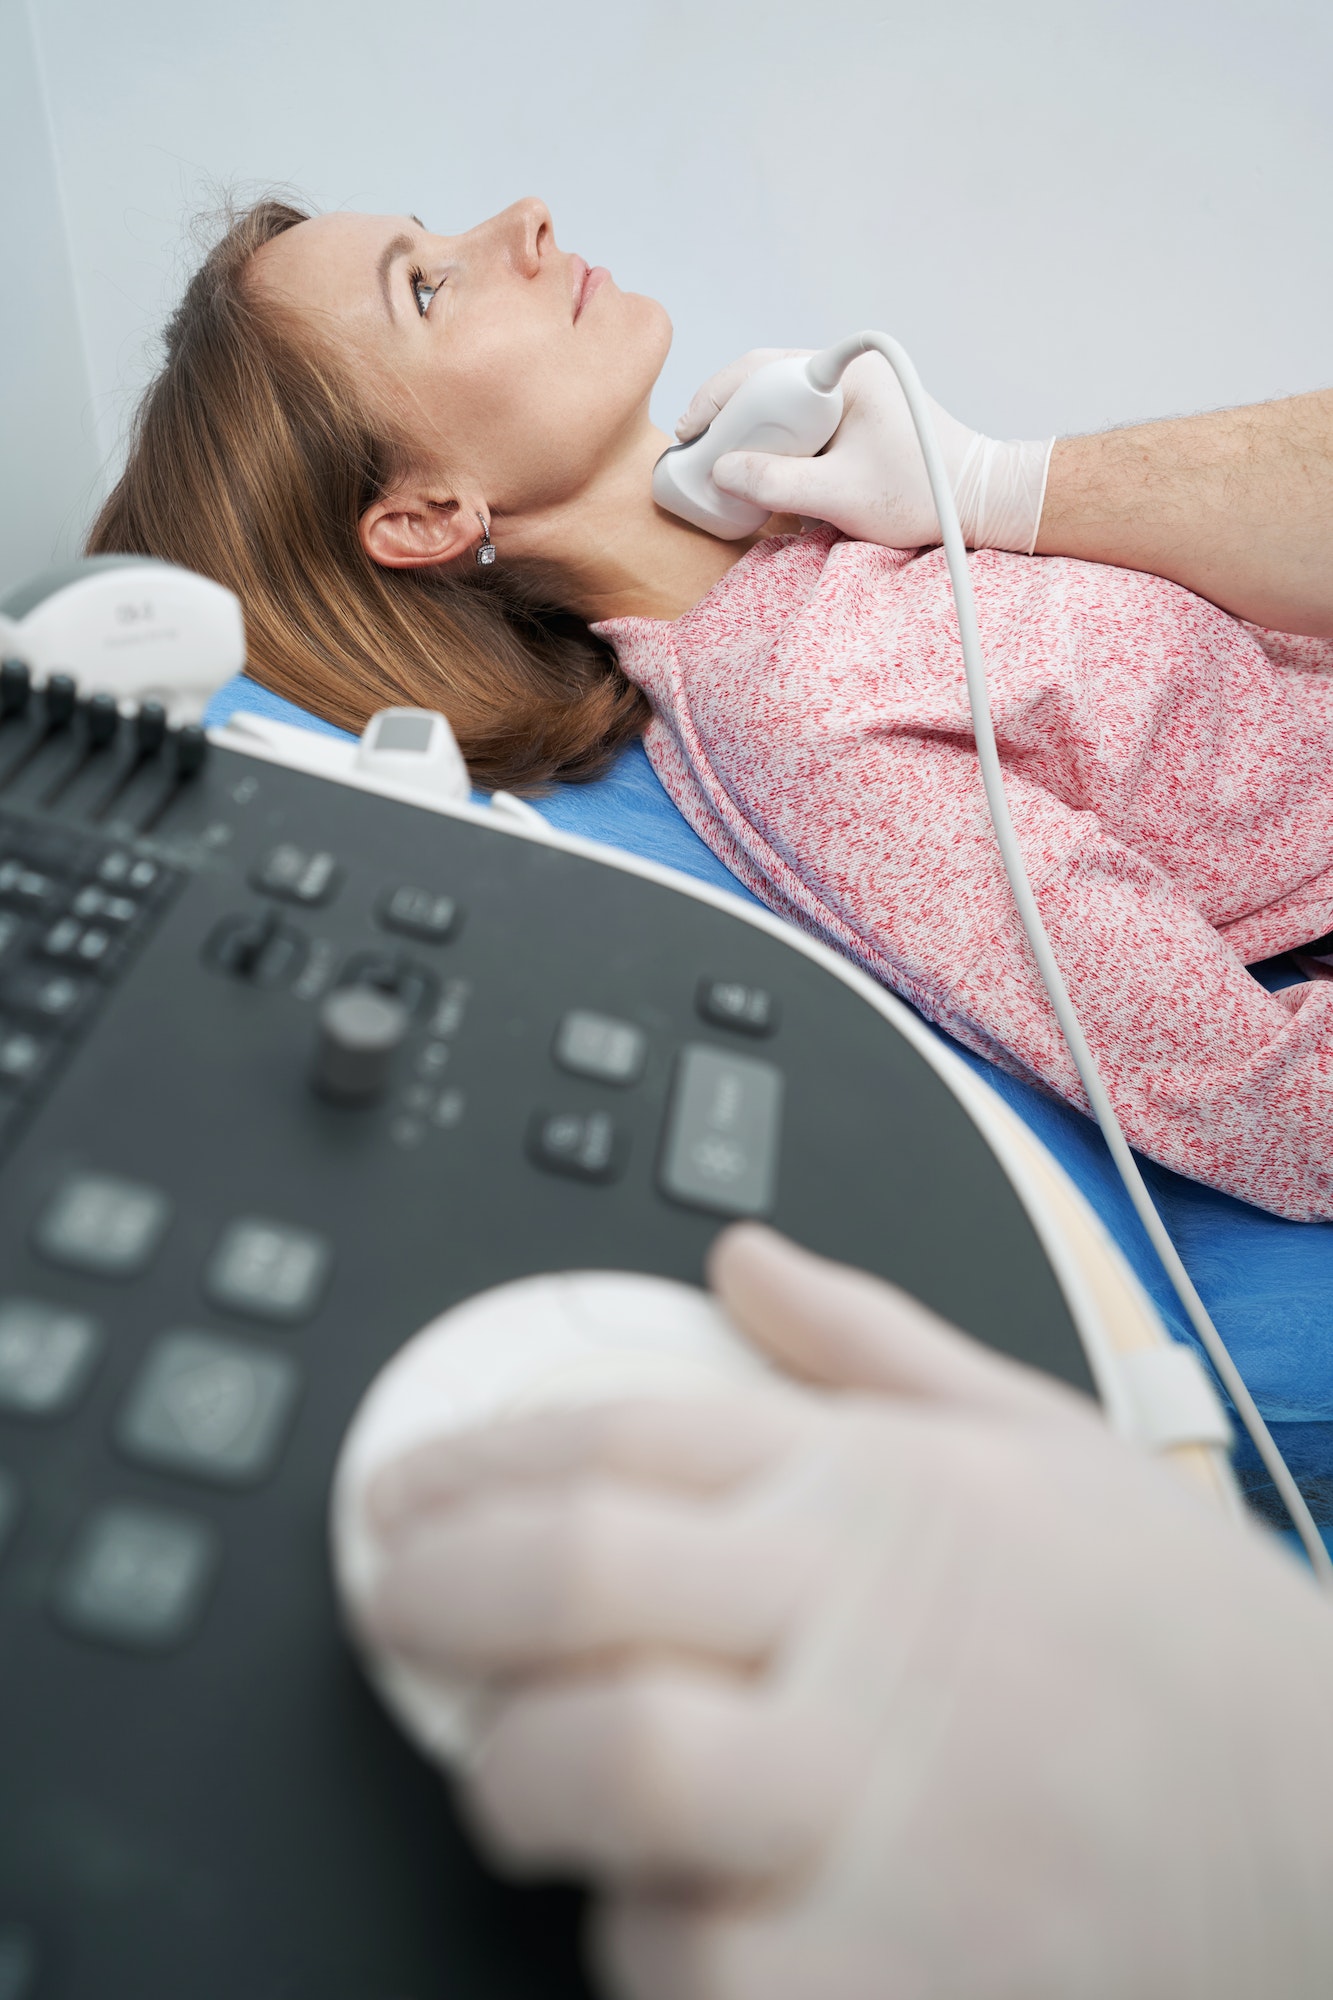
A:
[750,1010]
[723,1133]
[216,1408]
[268,1270]
[99,1223]
[596,1045]
[46,1356]
[137,1576]
[587,1146]
[297,876]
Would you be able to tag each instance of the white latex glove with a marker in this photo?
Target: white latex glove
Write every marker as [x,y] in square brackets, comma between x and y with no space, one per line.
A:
[921,1688]
[870,481]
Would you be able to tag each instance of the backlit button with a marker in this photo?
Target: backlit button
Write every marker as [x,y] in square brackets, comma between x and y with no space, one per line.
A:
[128,871]
[727,1004]
[99,1223]
[53,998]
[137,1576]
[47,1354]
[596,1045]
[214,1408]
[721,1148]
[23,1057]
[93,947]
[418,913]
[268,1271]
[449,1015]
[106,908]
[61,939]
[73,943]
[297,876]
[27,888]
[585,1145]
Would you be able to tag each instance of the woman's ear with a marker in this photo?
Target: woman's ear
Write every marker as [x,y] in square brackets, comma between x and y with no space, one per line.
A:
[406,530]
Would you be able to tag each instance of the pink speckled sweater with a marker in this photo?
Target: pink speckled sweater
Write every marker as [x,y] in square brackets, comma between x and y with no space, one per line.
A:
[1170,771]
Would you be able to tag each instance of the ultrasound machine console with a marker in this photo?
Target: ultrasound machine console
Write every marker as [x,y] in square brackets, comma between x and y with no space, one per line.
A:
[291,1060]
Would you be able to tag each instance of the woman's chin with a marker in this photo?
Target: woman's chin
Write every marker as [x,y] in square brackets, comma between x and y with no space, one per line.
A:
[653,323]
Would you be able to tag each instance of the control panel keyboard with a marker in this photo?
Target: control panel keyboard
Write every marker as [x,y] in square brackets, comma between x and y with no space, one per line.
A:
[287,1069]
[73,911]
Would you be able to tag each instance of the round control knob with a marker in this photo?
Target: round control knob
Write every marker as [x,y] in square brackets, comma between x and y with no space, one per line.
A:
[359,1030]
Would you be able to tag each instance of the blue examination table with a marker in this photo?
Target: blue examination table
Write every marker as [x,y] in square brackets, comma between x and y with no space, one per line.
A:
[1267,1283]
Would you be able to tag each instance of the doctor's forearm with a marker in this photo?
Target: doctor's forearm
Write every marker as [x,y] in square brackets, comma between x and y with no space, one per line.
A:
[1237,505]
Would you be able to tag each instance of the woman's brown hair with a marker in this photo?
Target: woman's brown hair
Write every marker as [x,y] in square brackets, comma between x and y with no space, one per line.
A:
[252,462]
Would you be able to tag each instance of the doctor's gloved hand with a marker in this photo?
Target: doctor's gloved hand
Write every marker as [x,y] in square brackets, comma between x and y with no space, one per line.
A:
[870,481]
[912,1683]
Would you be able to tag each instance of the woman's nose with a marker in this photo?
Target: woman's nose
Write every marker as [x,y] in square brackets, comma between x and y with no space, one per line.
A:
[527,230]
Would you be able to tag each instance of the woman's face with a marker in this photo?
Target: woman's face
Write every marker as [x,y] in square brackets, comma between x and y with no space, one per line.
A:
[510,371]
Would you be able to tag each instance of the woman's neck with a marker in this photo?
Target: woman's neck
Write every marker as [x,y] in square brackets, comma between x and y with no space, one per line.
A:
[622,555]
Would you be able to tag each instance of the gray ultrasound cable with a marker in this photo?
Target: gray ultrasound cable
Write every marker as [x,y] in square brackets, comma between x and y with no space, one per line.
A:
[831,365]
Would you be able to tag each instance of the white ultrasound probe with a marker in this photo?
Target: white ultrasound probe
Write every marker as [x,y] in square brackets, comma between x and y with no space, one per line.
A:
[791,407]
[574,1337]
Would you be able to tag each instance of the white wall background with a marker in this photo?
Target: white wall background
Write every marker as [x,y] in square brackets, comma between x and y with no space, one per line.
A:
[1075,212]
[50,454]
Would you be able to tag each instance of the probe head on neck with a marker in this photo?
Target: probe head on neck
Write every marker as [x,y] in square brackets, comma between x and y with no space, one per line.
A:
[782,409]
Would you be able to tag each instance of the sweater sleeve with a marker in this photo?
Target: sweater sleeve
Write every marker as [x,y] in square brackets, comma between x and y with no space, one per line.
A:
[1210,1074]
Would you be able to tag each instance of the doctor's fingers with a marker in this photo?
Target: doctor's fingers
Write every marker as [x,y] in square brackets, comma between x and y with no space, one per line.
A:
[720,388]
[537,1578]
[830,1324]
[662,1777]
[700,1443]
[811,487]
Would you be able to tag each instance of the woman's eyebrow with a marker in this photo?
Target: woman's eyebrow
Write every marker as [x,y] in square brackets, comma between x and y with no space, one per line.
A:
[397,246]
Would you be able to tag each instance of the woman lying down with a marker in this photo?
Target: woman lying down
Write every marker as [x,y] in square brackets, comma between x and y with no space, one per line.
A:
[352,408]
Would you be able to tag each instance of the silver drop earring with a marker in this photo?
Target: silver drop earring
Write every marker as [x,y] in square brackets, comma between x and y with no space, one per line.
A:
[486,547]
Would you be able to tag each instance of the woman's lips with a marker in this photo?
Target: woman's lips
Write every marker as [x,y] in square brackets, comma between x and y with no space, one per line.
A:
[587,280]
